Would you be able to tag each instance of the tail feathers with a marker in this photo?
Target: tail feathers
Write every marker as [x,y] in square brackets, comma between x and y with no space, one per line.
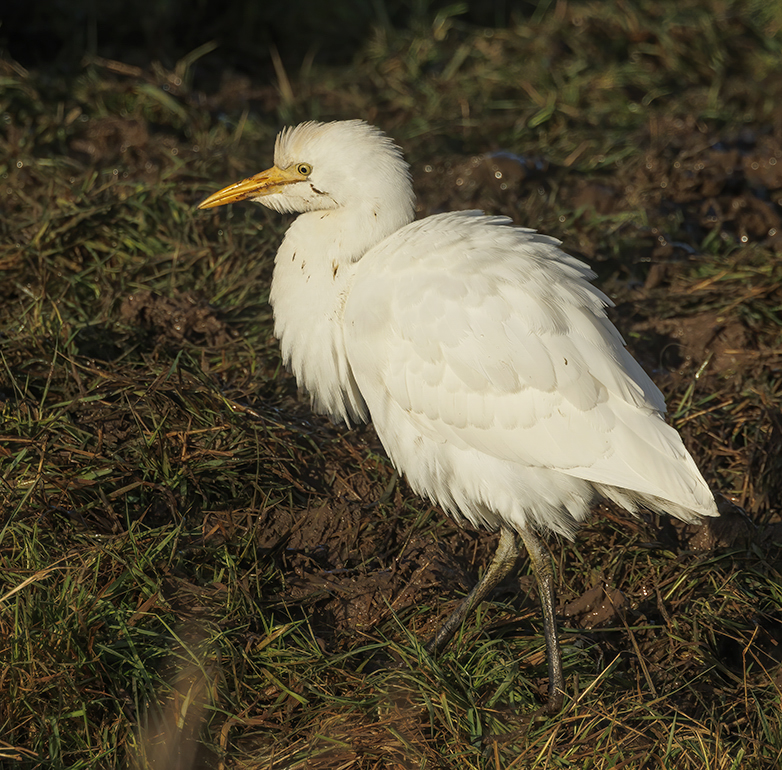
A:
[632,501]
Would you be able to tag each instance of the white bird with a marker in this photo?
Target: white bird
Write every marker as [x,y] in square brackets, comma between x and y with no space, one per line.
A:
[479,350]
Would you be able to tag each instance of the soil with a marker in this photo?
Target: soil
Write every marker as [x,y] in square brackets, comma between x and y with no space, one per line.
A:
[176,319]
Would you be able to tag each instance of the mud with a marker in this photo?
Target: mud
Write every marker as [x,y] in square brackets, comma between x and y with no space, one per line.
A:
[692,182]
[183,317]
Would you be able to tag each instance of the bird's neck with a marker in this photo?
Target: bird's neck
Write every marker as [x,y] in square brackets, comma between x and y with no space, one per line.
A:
[350,232]
[313,275]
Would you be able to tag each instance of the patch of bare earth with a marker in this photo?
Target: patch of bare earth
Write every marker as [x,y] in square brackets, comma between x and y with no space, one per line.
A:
[176,319]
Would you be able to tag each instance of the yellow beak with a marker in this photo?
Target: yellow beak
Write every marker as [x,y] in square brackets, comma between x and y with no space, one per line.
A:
[265,183]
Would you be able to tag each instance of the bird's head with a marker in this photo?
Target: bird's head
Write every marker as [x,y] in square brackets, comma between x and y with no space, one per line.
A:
[326,166]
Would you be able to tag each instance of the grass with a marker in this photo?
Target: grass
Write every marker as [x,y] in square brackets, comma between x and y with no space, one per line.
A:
[197,572]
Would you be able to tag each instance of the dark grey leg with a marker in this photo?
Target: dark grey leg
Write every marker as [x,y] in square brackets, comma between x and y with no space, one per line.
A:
[544,574]
[503,562]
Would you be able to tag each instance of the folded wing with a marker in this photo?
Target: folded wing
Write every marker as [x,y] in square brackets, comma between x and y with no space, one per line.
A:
[490,337]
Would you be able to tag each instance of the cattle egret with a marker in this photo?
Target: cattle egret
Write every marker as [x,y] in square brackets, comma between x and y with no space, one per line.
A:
[480,351]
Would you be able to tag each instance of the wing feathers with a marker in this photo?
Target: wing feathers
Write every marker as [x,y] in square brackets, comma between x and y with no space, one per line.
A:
[491,339]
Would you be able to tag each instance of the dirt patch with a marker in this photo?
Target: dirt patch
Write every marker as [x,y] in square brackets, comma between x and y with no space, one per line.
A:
[693,183]
[731,184]
[183,317]
[494,182]
[686,343]
[349,568]
[597,607]
[733,529]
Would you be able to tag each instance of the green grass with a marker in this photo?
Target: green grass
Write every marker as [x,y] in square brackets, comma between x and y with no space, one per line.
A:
[195,570]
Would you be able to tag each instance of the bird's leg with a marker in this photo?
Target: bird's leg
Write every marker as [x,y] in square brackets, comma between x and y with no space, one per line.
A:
[544,574]
[502,563]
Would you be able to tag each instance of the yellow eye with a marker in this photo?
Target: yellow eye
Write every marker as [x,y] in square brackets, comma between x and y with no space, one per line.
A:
[304,169]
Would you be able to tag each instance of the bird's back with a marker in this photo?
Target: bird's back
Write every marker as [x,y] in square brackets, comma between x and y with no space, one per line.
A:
[499,386]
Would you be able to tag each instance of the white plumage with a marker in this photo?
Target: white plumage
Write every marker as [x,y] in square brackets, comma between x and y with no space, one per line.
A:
[479,350]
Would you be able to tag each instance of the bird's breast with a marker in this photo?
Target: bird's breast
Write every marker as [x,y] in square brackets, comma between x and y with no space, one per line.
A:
[308,295]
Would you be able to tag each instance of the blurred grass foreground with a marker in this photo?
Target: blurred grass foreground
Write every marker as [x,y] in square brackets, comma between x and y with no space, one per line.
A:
[195,572]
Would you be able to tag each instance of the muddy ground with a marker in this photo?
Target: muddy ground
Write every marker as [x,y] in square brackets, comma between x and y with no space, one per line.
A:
[161,471]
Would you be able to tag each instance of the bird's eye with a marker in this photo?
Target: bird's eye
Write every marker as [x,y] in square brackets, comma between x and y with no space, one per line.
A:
[304,169]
